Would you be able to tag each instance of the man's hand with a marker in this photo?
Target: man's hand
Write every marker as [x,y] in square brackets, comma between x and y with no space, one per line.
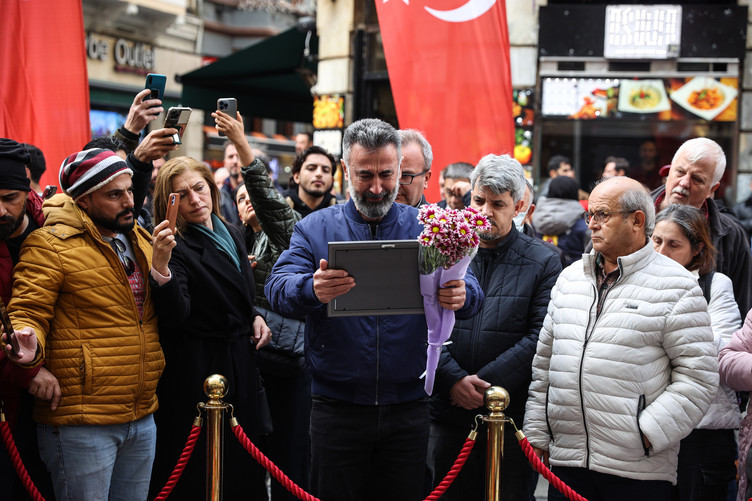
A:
[468,392]
[156,145]
[452,295]
[45,386]
[262,335]
[542,455]
[459,188]
[27,346]
[140,114]
[329,284]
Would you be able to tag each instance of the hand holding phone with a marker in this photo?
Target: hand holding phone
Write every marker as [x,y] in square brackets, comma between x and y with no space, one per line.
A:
[177,118]
[10,335]
[156,84]
[227,105]
[173,201]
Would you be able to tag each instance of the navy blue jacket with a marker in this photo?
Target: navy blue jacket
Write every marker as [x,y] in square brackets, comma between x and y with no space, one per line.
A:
[499,343]
[371,360]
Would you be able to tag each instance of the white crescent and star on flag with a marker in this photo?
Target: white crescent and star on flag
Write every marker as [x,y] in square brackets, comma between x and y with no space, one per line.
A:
[466,12]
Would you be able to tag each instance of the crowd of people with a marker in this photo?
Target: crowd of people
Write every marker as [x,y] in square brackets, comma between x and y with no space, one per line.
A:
[613,319]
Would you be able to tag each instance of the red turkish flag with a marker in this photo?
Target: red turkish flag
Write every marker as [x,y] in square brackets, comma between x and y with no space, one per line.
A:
[448,63]
[43,78]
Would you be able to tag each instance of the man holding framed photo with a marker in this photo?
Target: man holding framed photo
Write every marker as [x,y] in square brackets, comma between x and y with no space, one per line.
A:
[369,419]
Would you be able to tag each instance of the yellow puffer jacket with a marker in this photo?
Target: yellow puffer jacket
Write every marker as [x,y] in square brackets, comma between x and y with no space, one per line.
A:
[71,288]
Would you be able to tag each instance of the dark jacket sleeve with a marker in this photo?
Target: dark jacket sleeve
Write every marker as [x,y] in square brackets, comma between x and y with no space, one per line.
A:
[276,217]
[474,297]
[513,367]
[141,180]
[289,288]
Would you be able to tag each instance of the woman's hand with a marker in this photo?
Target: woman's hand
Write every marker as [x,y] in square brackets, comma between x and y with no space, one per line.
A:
[163,241]
[261,332]
[235,131]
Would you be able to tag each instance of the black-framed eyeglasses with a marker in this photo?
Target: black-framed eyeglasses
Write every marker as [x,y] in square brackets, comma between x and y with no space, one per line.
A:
[119,247]
[406,179]
[601,216]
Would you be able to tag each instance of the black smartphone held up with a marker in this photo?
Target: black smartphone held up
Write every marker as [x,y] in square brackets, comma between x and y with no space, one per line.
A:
[173,201]
[8,328]
[227,105]
[156,84]
[177,118]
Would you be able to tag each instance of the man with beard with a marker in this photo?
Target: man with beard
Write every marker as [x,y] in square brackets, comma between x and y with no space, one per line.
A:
[227,205]
[496,347]
[369,417]
[20,214]
[81,305]
[696,172]
[312,178]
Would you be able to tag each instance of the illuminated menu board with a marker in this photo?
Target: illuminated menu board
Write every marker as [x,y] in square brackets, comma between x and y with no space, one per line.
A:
[642,31]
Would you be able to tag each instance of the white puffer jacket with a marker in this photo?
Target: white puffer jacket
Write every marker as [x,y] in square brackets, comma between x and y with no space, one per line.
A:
[646,365]
[723,413]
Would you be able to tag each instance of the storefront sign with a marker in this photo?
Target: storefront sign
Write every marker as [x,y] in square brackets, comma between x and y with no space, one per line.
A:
[129,56]
[642,31]
[667,99]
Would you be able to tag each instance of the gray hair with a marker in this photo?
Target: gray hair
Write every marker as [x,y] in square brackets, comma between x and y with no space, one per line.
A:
[500,174]
[700,149]
[372,134]
[457,170]
[640,200]
[408,136]
[529,193]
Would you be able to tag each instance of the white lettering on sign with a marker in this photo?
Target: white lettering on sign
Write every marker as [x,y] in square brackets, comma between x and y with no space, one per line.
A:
[127,53]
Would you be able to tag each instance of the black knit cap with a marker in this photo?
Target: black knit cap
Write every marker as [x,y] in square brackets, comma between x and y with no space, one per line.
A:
[13,161]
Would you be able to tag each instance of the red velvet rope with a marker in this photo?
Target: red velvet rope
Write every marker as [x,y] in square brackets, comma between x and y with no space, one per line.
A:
[180,466]
[453,471]
[270,466]
[548,474]
[16,458]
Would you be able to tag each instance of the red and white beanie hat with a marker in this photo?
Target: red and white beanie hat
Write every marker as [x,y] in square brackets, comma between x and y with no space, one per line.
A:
[87,171]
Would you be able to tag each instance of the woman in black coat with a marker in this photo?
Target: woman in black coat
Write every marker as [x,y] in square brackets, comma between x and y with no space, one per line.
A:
[203,289]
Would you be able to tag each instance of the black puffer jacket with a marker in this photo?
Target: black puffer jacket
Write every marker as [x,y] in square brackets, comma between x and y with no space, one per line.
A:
[731,243]
[277,221]
[498,344]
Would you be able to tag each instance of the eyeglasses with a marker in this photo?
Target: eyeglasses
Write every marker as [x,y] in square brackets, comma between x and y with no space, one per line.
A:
[119,247]
[601,216]
[406,179]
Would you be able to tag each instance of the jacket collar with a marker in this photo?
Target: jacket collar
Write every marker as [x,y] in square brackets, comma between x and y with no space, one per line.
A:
[627,264]
[507,241]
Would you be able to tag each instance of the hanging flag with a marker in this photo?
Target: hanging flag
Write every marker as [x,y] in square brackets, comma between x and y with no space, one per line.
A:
[43,80]
[448,63]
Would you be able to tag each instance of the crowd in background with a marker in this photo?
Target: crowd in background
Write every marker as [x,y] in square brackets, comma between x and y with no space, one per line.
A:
[613,318]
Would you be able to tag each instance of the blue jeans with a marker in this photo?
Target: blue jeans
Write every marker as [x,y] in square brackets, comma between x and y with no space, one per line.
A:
[368,452]
[99,462]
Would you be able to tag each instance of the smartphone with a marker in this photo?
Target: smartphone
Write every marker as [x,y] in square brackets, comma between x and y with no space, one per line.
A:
[227,105]
[156,84]
[177,118]
[49,191]
[8,328]
[173,201]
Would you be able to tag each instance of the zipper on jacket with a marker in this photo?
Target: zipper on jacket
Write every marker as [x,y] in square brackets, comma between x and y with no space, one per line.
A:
[588,331]
[378,359]
[582,361]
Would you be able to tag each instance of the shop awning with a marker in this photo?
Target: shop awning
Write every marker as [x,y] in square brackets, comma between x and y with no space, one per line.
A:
[271,79]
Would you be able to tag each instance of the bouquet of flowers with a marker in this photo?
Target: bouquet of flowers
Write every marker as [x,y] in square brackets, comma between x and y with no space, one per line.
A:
[449,241]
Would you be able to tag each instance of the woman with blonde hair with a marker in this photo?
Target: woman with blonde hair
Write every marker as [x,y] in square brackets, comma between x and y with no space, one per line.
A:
[203,289]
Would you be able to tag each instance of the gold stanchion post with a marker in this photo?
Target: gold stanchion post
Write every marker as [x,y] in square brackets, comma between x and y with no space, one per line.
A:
[496,399]
[215,387]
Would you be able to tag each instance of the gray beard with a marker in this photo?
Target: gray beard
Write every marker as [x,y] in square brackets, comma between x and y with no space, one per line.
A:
[373,210]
